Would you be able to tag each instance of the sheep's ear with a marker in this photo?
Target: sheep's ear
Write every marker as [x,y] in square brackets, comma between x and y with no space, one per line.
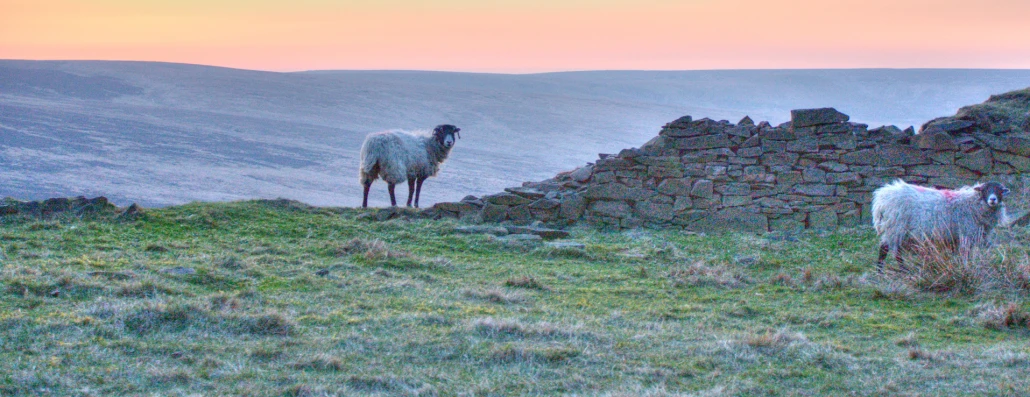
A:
[979,188]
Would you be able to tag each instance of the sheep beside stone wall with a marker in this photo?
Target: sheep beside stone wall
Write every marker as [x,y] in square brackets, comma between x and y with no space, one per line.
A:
[399,156]
[906,215]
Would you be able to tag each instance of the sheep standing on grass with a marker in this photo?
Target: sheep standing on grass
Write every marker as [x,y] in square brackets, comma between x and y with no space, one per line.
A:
[404,156]
[905,216]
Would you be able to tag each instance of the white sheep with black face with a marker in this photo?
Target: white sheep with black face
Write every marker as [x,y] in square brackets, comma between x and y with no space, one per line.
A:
[906,215]
[399,156]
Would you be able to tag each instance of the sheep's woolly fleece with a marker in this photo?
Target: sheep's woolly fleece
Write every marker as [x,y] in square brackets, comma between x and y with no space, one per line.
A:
[902,211]
[398,155]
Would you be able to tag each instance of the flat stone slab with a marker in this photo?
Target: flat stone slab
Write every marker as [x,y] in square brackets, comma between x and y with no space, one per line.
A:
[527,192]
[809,117]
[545,233]
[520,239]
[506,198]
[565,244]
[482,229]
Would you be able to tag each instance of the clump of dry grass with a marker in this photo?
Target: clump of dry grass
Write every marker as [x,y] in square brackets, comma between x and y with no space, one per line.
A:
[783,279]
[170,376]
[893,290]
[917,353]
[934,267]
[508,353]
[496,295]
[372,383]
[832,282]
[144,289]
[1010,315]
[321,362]
[806,275]
[908,340]
[169,318]
[527,282]
[268,324]
[492,327]
[231,262]
[225,302]
[699,274]
[265,354]
[154,247]
[775,340]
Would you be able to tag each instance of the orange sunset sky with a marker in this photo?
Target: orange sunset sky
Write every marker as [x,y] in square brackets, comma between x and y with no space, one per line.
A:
[524,35]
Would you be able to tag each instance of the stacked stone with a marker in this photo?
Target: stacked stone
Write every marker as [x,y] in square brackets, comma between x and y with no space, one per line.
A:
[817,171]
[53,206]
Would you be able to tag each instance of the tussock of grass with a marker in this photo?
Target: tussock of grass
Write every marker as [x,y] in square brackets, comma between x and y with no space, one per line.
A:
[508,353]
[563,252]
[371,249]
[180,318]
[783,279]
[166,318]
[170,377]
[224,302]
[527,282]
[269,324]
[266,353]
[153,247]
[775,340]
[375,383]
[1009,315]
[496,295]
[893,290]
[908,341]
[937,268]
[145,289]
[321,362]
[492,327]
[699,274]
[231,262]
[833,282]
[919,354]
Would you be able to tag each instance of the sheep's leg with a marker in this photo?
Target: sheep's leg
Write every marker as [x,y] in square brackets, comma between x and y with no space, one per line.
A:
[418,190]
[901,262]
[393,198]
[884,250]
[411,191]
[904,246]
[364,200]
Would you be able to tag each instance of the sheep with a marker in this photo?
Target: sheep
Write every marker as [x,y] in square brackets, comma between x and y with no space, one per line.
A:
[397,156]
[906,215]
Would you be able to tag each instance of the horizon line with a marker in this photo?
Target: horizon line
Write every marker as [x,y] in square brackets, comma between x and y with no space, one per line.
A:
[401,70]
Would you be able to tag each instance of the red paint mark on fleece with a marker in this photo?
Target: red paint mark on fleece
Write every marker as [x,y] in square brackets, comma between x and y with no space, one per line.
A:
[949,195]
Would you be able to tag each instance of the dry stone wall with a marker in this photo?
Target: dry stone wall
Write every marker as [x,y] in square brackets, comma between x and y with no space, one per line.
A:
[817,171]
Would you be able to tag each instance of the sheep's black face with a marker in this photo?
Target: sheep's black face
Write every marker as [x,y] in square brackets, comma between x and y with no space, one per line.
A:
[446,135]
[992,193]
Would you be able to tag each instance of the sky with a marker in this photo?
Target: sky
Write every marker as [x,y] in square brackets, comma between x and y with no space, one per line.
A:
[524,36]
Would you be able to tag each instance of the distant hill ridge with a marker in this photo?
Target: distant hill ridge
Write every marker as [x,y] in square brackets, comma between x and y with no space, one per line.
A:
[162,134]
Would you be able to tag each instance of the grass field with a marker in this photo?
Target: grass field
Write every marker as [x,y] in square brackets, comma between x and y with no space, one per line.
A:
[277,298]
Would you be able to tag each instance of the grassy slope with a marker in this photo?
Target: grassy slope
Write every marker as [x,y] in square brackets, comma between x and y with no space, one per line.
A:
[285,301]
